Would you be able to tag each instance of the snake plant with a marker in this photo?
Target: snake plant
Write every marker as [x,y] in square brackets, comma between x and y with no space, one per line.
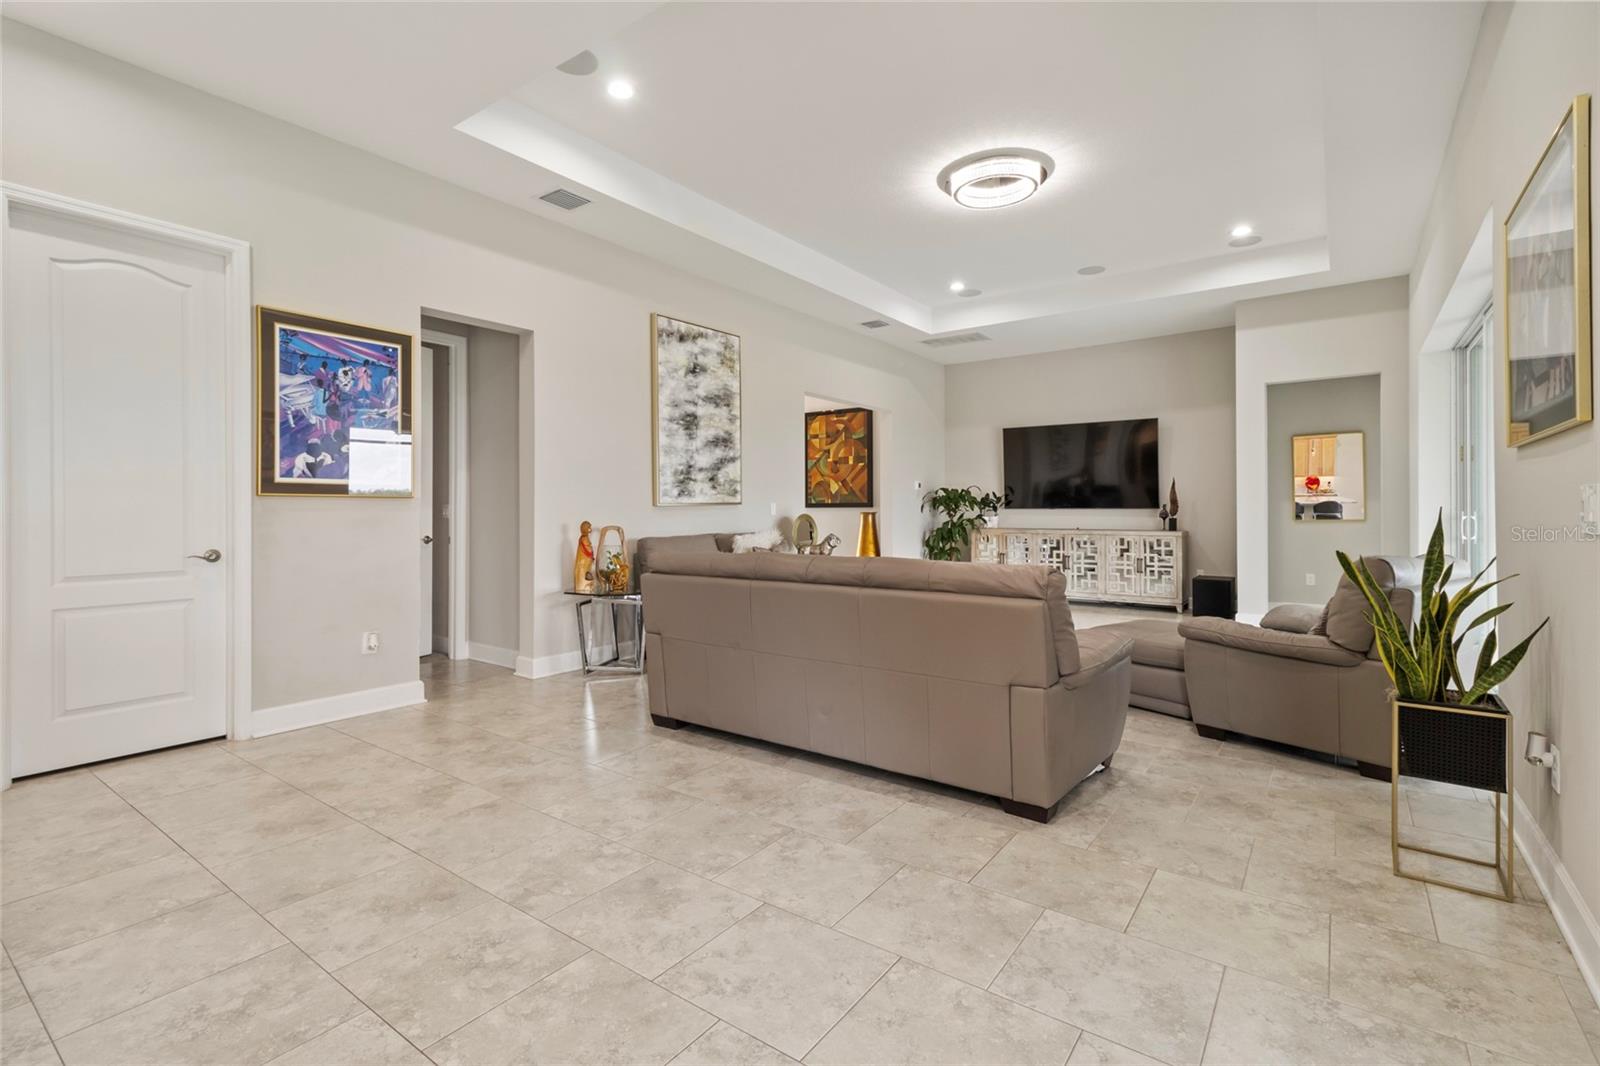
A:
[1424,660]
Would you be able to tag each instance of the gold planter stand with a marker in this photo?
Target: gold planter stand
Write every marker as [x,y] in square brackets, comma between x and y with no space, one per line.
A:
[1504,845]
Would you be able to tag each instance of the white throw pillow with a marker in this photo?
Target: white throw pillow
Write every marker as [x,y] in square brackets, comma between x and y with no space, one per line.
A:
[763,541]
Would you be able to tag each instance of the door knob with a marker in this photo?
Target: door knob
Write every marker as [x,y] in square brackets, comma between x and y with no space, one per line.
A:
[427,539]
[210,555]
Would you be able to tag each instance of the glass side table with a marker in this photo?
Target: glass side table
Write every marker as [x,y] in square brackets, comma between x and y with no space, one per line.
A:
[613,603]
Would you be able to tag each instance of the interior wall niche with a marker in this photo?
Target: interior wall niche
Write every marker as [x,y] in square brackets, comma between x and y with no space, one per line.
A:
[1324,410]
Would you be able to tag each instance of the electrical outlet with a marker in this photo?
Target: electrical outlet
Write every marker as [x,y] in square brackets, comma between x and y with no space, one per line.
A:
[369,642]
[1311,579]
[1555,769]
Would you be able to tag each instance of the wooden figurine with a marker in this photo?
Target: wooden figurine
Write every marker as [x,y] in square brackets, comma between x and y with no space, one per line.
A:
[583,564]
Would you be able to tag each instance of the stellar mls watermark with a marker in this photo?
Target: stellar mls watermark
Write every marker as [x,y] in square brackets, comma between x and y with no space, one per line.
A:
[1541,534]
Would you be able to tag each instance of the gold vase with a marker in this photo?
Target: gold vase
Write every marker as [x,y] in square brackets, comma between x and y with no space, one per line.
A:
[867,538]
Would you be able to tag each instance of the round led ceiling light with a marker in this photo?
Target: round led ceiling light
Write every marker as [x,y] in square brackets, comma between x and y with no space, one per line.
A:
[999,177]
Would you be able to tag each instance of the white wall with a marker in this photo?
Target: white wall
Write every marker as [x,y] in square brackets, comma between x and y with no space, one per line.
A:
[1532,59]
[493,581]
[341,233]
[1295,549]
[1185,381]
[1346,331]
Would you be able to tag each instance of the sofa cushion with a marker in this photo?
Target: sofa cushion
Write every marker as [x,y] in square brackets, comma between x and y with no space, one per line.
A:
[1304,646]
[647,550]
[1155,642]
[1348,622]
[1293,618]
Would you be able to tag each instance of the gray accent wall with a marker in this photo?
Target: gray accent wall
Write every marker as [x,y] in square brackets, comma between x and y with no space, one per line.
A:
[1184,380]
[1295,549]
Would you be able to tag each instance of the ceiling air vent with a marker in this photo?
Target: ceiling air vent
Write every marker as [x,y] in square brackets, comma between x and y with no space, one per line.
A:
[954,339]
[874,323]
[564,199]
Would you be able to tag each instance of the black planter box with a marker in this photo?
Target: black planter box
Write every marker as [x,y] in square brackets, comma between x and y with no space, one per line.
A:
[1454,743]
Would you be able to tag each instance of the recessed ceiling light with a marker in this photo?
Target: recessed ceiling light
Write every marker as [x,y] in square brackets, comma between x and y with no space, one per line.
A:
[996,178]
[957,286]
[967,294]
[580,65]
[620,89]
[1245,242]
[1090,270]
[1243,229]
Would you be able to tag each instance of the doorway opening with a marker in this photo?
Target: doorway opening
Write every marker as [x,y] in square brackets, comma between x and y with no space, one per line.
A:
[468,491]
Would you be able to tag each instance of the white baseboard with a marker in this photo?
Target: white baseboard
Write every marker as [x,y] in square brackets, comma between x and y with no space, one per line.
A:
[548,665]
[1572,914]
[269,720]
[488,653]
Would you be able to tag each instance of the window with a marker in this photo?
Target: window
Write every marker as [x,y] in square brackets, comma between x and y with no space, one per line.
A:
[1470,522]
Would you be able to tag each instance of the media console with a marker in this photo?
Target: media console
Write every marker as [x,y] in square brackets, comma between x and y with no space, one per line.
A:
[1101,565]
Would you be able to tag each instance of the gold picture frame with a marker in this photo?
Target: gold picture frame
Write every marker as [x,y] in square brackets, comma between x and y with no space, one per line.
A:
[358,425]
[702,447]
[1307,500]
[1549,392]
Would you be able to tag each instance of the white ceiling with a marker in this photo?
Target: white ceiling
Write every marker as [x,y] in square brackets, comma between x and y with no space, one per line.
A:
[790,149]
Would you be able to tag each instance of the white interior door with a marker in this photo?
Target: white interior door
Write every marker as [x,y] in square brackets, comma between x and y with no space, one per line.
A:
[117,625]
[422,432]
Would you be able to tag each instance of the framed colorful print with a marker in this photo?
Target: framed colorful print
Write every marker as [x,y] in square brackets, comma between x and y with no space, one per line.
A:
[1548,328]
[335,407]
[839,458]
[695,375]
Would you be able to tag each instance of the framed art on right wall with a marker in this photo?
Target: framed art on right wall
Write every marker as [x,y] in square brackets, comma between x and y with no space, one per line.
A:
[1548,290]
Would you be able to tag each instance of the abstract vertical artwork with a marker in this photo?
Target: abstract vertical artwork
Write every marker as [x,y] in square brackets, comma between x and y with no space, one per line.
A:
[696,414]
[335,407]
[839,458]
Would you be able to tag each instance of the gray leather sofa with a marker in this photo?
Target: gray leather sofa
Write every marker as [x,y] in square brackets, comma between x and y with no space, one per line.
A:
[964,673]
[1323,690]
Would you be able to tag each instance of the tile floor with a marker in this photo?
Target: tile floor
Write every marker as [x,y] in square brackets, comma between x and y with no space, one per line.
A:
[530,872]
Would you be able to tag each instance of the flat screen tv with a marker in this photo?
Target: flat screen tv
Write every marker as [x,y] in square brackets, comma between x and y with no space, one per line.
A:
[1086,464]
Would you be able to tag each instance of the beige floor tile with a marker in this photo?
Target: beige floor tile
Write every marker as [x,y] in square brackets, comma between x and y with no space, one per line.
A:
[1448,814]
[916,1015]
[811,877]
[782,979]
[283,820]
[1259,1021]
[230,799]
[828,809]
[317,738]
[1191,850]
[1583,1006]
[350,922]
[1346,794]
[739,783]
[933,840]
[362,1041]
[1484,1057]
[66,916]
[590,1011]
[433,982]
[277,878]
[1361,891]
[11,990]
[1496,1005]
[1092,1050]
[31,869]
[663,762]
[620,809]
[595,742]
[1278,941]
[478,834]
[91,981]
[539,785]
[706,839]
[1262,814]
[965,932]
[650,919]
[1490,927]
[566,865]
[165,773]
[23,1040]
[66,816]
[723,1045]
[250,1013]
[481,758]
[1093,885]
[348,778]
[397,811]
[1180,764]
[71,793]
[1144,996]
[1147,795]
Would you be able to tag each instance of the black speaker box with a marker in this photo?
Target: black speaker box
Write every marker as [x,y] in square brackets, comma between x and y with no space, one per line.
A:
[1214,596]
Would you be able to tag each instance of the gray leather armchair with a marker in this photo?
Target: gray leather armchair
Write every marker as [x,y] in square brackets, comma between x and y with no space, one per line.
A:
[1324,689]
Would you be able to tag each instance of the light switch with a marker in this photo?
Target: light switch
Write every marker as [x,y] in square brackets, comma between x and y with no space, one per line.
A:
[1589,508]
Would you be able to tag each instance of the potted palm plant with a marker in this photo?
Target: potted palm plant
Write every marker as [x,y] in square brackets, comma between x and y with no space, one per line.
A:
[1448,727]
[961,513]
